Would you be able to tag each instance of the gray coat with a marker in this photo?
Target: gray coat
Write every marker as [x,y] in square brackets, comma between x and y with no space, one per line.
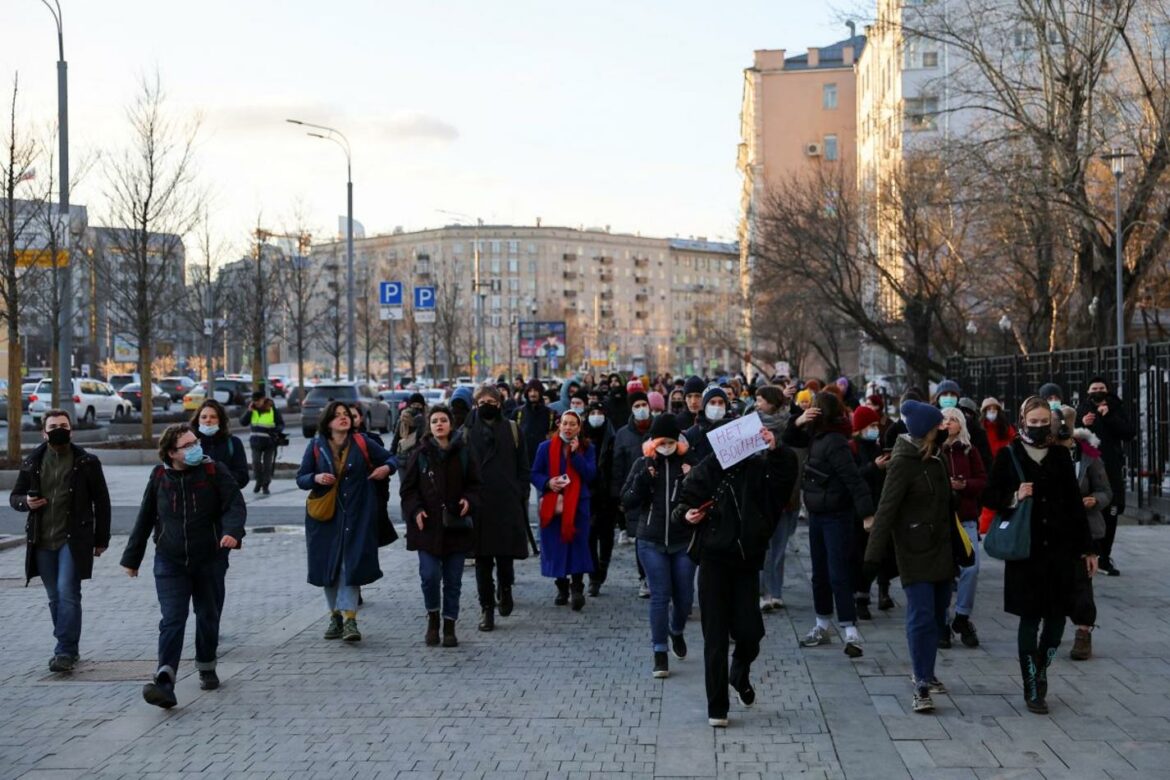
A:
[1092,479]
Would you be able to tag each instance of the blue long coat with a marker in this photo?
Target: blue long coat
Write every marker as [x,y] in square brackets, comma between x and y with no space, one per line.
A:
[558,559]
[353,531]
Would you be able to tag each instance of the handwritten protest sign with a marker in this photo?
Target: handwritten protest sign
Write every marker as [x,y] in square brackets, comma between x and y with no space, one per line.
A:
[737,440]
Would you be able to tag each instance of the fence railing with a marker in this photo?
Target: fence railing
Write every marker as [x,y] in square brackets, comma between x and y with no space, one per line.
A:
[1145,391]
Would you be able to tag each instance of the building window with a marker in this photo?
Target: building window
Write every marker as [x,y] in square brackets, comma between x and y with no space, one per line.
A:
[921,113]
[513,247]
[831,148]
[495,265]
[457,248]
[514,284]
[513,266]
[496,302]
[930,59]
[829,97]
[495,247]
[531,266]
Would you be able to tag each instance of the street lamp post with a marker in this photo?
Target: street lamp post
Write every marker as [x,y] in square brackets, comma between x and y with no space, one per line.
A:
[337,137]
[1116,160]
[1005,327]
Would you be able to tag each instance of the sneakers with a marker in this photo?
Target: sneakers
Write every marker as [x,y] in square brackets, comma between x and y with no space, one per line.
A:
[1107,566]
[853,647]
[863,612]
[922,701]
[643,589]
[744,689]
[160,691]
[661,666]
[1082,649]
[349,631]
[62,663]
[208,680]
[335,626]
[623,537]
[678,646]
[766,604]
[817,636]
[777,604]
[719,723]
[963,626]
[504,598]
[934,686]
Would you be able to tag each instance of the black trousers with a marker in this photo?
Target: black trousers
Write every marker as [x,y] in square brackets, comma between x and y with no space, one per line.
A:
[730,607]
[601,528]
[263,463]
[1084,606]
[483,577]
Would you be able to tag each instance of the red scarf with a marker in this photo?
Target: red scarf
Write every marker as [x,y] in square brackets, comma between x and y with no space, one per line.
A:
[548,502]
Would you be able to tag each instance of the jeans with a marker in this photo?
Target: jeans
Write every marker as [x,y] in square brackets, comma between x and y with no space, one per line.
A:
[483,577]
[830,540]
[772,575]
[446,570]
[926,609]
[63,587]
[968,575]
[201,585]
[263,463]
[729,607]
[672,582]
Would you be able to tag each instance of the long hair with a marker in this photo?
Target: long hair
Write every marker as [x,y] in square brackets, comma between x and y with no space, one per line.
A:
[928,444]
[327,415]
[221,415]
[964,436]
[832,410]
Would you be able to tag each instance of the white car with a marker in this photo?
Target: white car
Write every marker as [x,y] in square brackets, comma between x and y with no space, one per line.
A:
[92,399]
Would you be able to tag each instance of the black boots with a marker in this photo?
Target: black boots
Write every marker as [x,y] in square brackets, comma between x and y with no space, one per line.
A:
[885,603]
[861,603]
[578,597]
[432,637]
[562,592]
[449,639]
[488,621]
[505,600]
[1044,660]
[1030,671]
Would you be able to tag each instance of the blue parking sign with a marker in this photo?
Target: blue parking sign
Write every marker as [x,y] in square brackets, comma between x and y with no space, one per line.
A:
[390,293]
[424,298]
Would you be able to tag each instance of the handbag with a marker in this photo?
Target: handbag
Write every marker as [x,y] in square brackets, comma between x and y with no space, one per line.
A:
[1010,536]
[323,506]
[962,546]
[453,521]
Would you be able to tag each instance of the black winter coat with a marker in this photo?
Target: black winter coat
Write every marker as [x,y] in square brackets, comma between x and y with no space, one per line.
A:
[436,479]
[503,495]
[228,450]
[1114,430]
[187,512]
[602,441]
[536,423]
[652,497]
[864,456]
[89,515]
[627,448]
[1044,583]
[831,481]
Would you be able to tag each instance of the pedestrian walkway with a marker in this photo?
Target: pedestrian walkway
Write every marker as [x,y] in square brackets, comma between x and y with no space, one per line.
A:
[557,694]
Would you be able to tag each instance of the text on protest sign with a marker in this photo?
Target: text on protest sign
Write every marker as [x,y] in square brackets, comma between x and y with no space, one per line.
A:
[737,440]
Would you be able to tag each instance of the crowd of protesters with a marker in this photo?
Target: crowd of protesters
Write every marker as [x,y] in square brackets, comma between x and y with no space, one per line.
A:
[890,490]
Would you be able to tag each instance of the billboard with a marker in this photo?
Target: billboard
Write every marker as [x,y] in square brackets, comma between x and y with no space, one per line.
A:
[542,339]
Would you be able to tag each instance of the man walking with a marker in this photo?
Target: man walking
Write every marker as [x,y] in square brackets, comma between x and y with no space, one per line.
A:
[266,424]
[63,489]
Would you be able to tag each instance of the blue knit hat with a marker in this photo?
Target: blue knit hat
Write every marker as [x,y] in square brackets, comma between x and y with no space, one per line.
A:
[948,386]
[463,394]
[714,392]
[920,418]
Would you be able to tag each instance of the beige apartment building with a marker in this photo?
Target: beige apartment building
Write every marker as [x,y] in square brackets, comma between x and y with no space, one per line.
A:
[628,302]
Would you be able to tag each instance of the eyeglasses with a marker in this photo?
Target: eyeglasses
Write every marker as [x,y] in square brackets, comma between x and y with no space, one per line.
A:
[187,446]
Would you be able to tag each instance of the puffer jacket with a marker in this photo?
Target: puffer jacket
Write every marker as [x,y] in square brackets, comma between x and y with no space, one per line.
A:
[831,482]
[651,492]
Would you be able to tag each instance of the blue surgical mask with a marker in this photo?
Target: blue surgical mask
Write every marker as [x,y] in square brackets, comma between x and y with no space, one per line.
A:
[642,413]
[871,434]
[1054,406]
[948,402]
[209,430]
[194,455]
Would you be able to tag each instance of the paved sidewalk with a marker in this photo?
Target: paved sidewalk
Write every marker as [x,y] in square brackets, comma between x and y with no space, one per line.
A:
[559,694]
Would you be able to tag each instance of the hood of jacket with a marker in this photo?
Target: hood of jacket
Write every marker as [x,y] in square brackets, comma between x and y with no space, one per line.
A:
[576,378]
[905,447]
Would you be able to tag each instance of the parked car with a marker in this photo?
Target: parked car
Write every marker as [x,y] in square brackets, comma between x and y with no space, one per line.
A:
[93,401]
[195,397]
[232,391]
[26,390]
[278,386]
[374,409]
[176,386]
[396,400]
[118,381]
[159,399]
[435,397]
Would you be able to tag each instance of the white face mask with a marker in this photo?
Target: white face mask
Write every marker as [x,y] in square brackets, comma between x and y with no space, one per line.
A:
[596,420]
[578,409]
[991,415]
[642,413]
[666,449]
[715,413]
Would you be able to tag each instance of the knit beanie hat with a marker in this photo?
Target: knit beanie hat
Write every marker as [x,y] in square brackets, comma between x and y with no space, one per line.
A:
[948,386]
[416,398]
[638,396]
[714,392]
[665,426]
[635,386]
[920,418]
[804,396]
[1049,389]
[657,402]
[989,401]
[969,405]
[863,417]
[694,384]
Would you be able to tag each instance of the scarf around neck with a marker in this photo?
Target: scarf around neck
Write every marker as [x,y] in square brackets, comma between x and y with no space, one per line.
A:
[548,502]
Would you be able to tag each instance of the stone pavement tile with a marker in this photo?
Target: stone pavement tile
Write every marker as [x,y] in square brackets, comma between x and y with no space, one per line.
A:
[1146,756]
[1148,729]
[1084,727]
[1008,774]
[915,727]
[1086,756]
[1023,753]
[1030,725]
[985,728]
[981,706]
[914,755]
[960,753]
[935,773]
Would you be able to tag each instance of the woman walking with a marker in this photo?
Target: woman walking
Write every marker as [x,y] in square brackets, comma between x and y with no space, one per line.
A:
[773,406]
[342,540]
[915,515]
[1000,433]
[872,463]
[440,490]
[968,478]
[210,423]
[1040,589]
[562,471]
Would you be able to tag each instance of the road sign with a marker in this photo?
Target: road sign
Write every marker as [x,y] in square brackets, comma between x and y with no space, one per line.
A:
[424,298]
[426,315]
[390,293]
[390,313]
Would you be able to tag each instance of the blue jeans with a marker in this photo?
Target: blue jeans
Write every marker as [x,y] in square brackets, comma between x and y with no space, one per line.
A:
[59,576]
[830,540]
[772,575]
[447,570]
[968,575]
[672,584]
[926,609]
[339,596]
[179,585]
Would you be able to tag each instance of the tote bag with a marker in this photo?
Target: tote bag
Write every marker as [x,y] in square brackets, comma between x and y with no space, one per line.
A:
[1010,536]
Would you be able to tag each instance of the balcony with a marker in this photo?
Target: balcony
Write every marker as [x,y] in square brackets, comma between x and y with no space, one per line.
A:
[569,258]
[604,259]
[641,297]
[606,295]
[642,315]
[571,308]
[569,274]
[607,277]
[570,293]
[422,269]
[642,279]
[607,313]
[641,262]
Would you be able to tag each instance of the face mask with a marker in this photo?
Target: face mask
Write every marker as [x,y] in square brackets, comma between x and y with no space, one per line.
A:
[566,439]
[489,411]
[642,413]
[715,413]
[948,402]
[1054,406]
[1037,435]
[870,434]
[597,420]
[194,455]
[1098,397]
[677,406]
[59,437]
[666,449]
[580,409]
[991,415]
[209,430]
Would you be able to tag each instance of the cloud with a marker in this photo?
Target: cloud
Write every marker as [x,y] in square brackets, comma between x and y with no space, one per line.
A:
[411,126]
[418,126]
[264,117]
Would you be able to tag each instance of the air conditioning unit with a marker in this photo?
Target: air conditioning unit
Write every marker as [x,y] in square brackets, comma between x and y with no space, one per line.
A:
[812,150]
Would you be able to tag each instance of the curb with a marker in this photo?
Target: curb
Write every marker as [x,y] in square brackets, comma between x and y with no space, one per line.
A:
[10,542]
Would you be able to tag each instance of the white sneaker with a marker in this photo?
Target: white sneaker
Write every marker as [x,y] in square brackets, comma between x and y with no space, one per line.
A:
[817,636]
[765,604]
[719,723]
[643,589]
[777,603]
[623,537]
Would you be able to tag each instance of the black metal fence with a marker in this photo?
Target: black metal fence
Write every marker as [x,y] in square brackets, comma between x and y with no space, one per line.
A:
[1145,390]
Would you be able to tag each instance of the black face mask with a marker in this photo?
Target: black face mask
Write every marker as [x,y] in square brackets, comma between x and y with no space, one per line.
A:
[1038,435]
[489,411]
[677,406]
[1098,397]
[59,437]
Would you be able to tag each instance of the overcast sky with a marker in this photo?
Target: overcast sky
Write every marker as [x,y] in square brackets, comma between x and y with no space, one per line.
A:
[601,113]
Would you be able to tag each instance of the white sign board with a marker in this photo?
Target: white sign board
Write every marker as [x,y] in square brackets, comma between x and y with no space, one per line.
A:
[737,440]
[427,315]
[391,313]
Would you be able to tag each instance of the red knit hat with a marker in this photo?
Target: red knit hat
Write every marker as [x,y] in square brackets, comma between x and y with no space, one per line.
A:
[863,417]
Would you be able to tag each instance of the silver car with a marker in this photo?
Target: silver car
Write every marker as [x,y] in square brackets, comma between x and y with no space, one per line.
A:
[375,411]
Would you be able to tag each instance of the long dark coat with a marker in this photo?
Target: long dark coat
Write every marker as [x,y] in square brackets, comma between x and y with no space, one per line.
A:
[558,558]
[503,493]
[353,531]
[436,479]
[1043,584]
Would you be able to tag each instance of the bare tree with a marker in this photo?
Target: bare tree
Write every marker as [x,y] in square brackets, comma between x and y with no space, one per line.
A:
[153,204]
[299,284]
[331,335]
[410,339]
[208,291]
[452,323]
